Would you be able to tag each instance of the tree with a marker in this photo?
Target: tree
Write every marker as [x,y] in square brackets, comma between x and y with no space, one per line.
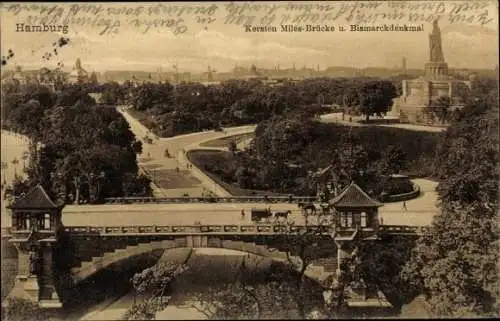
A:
[375,97]
[440,107]
[153,283]
[395,159]
[18,309]
[137,147]
[455,265]
[350,97]
[254,294]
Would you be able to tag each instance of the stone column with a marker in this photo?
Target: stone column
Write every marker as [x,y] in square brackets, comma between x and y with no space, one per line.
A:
[26,283]
[47,285]
[342,254]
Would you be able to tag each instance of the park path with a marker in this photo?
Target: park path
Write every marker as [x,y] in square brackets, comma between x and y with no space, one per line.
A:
[163,171]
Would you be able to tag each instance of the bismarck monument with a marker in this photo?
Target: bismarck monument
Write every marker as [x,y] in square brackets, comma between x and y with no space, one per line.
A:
[417,94]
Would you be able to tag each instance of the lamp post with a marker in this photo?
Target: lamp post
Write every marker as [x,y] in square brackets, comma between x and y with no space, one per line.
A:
[4,168]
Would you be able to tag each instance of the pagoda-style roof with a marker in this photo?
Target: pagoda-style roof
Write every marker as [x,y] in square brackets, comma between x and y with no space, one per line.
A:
[354,196]
[37,198]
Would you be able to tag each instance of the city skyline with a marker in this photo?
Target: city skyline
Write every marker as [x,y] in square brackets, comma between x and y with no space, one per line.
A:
[194,50]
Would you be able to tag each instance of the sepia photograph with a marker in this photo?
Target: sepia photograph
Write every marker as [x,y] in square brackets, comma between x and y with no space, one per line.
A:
[249,160]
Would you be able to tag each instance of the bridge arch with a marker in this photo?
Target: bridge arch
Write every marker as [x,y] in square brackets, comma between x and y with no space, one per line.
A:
[316,271]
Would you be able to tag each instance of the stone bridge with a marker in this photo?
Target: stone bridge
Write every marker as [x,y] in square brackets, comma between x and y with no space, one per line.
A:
[88,249]
[82,240]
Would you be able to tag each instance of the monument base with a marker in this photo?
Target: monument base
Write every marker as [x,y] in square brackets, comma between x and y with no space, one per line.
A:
[27,288]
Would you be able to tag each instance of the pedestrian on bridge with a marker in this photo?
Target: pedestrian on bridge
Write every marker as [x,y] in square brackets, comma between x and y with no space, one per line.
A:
[242,214]
[404,206]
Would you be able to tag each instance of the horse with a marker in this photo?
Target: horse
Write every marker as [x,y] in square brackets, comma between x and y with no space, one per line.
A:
[308,206]
[282,214]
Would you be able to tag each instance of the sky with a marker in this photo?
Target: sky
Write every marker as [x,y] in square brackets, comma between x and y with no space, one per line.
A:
[221,45]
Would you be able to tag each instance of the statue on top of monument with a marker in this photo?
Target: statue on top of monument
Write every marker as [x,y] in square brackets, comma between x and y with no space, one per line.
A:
[435,43]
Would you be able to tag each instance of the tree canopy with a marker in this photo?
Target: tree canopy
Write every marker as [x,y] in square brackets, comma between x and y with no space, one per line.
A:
[79,151]
[456,265]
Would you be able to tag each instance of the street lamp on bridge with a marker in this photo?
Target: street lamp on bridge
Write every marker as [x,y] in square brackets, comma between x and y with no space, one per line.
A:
[4,168]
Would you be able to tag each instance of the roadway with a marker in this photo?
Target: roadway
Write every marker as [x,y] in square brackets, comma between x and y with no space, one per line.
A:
[419,212]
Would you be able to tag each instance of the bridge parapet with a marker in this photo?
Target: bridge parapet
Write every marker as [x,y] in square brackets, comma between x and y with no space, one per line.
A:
[260,229]
[256,229]
[220,229]
[403,229]
[232,199]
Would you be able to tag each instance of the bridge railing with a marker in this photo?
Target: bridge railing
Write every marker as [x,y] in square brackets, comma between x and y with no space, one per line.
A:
[217,199]
[223,229]
[195,229]
[403,229]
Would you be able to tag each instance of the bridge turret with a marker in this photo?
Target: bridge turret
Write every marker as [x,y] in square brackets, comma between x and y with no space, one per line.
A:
[35,223]
[355,212]
[356,219]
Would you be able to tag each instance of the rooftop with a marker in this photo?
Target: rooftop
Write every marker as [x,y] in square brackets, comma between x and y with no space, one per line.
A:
[354,196]
[37,198]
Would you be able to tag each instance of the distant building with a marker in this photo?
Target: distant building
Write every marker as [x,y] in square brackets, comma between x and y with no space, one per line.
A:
[18,76]
[422,92]
[78,74]
[15,78]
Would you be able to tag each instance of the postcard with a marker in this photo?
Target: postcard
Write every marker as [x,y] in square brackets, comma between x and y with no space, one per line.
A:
[249,160]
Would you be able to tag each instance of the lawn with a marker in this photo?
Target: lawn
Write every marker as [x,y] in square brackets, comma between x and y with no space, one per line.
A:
[170,178]
[206,158]
[224,141]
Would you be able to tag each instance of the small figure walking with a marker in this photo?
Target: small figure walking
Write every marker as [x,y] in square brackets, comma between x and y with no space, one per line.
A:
[242,214]
[149,155]
[177,169]
[404,206]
